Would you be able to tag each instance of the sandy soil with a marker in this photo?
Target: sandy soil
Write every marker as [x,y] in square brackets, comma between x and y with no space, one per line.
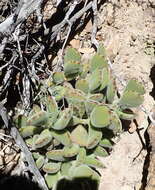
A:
[128,30]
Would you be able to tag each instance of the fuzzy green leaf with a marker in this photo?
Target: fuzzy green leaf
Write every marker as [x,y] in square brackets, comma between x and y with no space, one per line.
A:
[100,151]
[94,137]
[131,99]
[111,91]
[81,156]
[90,105]
[28,131]
[83,171]
[62,136]
[52,179]
[93,162]
[95,80]
[43,139]
[58,77]
[115,125]
[100,116]
[65,168]
[107,143]
[52,109]
[71,151]
[64,119]
[79,135]
[72,55]
[105,78]
[40,162]
[38,119]
[51,168]
[56,155]
[125,114]
[98,97]
[72,66]
[82,84]
[98,62]
[58,92]
[134,85]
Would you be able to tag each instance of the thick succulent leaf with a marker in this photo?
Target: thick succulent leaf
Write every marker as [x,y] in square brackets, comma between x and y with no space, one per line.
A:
[94,137]
[85,69]
[75,121]
[56,155]
[131,99]
[40,162]
[72,55]
[38,119]
[36,155]
[81,156]
[75,95]
[93,162]
[51,168]
[95,80]
[35,137]
[51,105]
[125,114]
[64,119]
[35,109]
[100,151]
[28,131]
[58,92]
[65,168]
[44,138]
[72,69]
[83,171]
[58,77]
[53,144]
[111,91]
[105,78]
[72,65]
[29,142]
[62,136]
[56,142]
[82,84]
[90,105]
[52,109]
[106,143]
[71,151]
[52,179]
[20,121]
[78,109]
[98,62]
[100,116]
[96,97]
[79,135]
[115,125]
[134,85]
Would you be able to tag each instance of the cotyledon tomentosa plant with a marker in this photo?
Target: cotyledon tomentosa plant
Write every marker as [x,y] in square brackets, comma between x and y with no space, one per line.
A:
[82,113]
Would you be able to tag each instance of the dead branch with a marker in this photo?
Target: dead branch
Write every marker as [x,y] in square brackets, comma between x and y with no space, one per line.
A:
[26,38]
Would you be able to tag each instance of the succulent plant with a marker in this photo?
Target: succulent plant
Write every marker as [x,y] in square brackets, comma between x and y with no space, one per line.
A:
[80,108]
[100,116]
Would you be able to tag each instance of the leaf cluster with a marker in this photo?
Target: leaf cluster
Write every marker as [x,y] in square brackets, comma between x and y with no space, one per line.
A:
[81,113]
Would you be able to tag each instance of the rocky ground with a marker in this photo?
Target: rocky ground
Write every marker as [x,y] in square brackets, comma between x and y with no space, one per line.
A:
[127,30]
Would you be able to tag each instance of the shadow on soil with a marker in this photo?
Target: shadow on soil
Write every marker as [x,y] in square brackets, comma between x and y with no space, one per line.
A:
[77,184]
[146,162]
[17,182]
[147,139]
[23,183]
[152,77]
